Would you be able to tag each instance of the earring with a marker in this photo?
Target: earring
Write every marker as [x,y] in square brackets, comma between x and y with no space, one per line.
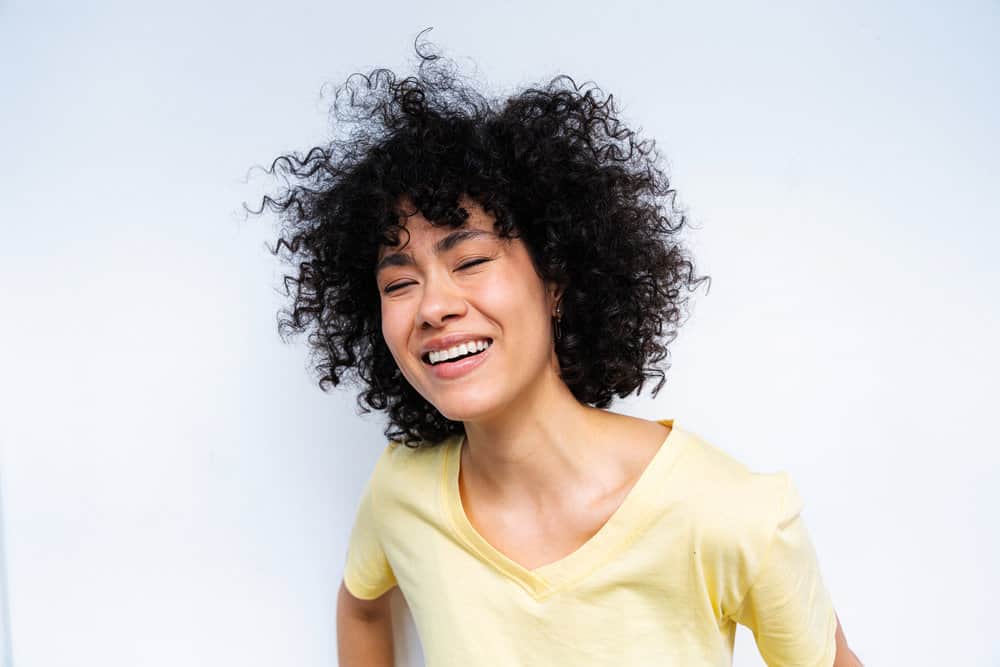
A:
[555,323]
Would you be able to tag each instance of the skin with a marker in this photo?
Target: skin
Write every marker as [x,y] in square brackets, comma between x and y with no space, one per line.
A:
[540,472]
[532,447]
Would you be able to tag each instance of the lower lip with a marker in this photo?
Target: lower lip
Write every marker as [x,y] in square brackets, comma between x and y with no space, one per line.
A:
[456,369]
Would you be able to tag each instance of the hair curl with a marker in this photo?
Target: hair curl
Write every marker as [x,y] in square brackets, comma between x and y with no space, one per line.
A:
[553,165]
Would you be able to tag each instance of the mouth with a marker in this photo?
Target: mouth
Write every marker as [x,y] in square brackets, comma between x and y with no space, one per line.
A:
[461,364]
[455,355]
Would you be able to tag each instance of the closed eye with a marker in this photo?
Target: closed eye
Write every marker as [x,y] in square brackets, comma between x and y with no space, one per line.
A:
[473,262]
[467,265]
[397,286]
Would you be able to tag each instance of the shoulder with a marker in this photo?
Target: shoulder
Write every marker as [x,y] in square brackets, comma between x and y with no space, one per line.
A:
[401,466]
[726,500]
[731,516]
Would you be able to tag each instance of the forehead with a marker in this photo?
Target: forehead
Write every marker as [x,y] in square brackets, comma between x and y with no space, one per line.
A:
[419,227]
[418,232]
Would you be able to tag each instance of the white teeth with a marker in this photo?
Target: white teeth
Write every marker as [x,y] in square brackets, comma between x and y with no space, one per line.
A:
[458,350]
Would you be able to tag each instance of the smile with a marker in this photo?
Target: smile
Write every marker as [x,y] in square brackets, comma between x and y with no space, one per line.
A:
[461,350]
[458,360]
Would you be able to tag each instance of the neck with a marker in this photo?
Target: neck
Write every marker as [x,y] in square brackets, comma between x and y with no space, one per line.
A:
[538,450]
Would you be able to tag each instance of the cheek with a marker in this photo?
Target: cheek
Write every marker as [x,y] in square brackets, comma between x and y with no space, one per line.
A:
[510,289]
[394,331]
[517,304]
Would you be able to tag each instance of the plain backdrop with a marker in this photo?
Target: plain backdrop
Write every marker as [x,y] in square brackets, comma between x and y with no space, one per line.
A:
[178,491]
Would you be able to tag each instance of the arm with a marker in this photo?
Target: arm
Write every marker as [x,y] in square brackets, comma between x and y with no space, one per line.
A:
[364,630]
[845,656]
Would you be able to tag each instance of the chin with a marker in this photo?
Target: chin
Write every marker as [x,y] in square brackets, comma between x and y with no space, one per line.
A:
[466,405]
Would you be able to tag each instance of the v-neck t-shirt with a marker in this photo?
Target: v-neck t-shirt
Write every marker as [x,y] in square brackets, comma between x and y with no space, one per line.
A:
[699,544]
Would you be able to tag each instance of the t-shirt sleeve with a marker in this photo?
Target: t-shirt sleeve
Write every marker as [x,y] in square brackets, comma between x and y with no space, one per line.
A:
[787,606]
[367,572]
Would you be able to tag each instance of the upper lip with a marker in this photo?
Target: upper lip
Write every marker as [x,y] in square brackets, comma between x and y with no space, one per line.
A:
[444,342]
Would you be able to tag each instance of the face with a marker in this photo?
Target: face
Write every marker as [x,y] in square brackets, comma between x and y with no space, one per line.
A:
[441,288]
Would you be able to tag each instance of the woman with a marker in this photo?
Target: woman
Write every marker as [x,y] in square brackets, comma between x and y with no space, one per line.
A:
[492,274]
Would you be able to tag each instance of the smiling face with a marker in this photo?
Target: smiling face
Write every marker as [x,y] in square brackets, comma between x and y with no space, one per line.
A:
[441,287]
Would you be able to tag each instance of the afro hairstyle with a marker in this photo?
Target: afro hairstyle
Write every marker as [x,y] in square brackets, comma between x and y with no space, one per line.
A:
[552,164]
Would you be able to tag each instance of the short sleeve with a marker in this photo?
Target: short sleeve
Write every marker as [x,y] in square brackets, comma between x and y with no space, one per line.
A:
[787,606]
[367,573]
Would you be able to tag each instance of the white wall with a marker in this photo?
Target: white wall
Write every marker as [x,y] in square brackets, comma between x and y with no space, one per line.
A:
[176,489]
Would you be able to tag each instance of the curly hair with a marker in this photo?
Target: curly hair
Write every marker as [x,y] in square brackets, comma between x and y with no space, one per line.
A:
[552,165]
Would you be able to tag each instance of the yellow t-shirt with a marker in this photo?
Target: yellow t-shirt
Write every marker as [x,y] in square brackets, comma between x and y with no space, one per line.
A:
[699,544]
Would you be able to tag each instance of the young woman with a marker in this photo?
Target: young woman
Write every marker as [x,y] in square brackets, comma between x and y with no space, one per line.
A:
[493,273]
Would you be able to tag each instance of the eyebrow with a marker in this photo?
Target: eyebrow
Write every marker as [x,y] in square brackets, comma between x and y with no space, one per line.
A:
[442,246]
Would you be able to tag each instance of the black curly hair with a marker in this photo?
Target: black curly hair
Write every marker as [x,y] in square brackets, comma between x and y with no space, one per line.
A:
[552,164]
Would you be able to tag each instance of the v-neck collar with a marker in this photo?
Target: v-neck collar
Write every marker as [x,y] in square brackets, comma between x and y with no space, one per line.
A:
[621,528]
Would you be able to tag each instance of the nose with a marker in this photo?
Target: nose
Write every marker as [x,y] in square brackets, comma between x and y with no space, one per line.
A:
[440,301]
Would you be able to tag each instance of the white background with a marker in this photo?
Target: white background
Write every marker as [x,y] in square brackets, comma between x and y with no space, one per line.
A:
[178,491]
